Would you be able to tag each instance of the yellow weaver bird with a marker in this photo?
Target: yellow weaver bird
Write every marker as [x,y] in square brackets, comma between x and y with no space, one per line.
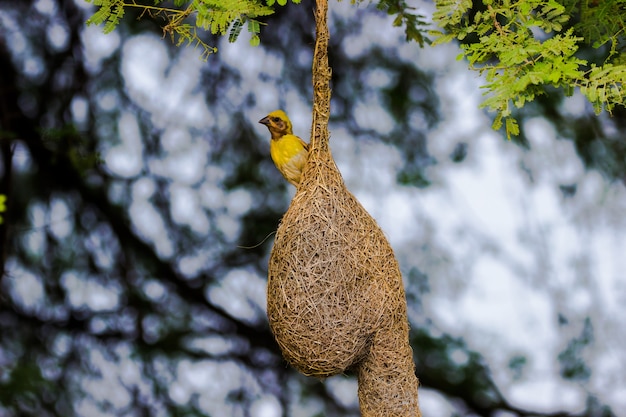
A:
[288,151]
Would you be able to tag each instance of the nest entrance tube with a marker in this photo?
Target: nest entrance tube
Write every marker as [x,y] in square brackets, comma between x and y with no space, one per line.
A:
[335,298]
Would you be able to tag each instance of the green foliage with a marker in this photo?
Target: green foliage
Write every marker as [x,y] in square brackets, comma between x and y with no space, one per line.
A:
[20,384]
[573,366]
[523,46]
[68,144]
[602,22]
[519,46]
[219,17]
[414,24]
[110,13]
[3,206]
[517,364]
[270,3]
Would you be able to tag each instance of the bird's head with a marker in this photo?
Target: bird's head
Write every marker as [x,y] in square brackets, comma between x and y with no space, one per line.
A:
[278,124]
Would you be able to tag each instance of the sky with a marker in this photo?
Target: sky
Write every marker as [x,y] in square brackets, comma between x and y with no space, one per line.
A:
[507,253]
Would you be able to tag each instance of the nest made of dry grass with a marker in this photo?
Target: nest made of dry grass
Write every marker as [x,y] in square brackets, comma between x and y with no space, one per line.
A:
[335,294]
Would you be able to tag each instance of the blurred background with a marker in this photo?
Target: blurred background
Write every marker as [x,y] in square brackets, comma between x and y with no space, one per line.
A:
[141,202]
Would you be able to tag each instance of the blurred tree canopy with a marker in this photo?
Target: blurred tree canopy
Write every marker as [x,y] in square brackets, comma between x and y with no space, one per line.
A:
[521,46]
[116,301]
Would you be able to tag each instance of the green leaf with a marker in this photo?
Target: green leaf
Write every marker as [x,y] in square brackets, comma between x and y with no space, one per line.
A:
[512,128]
[99,16]
[254,26]
[497,121]
[3,206]
[235,30]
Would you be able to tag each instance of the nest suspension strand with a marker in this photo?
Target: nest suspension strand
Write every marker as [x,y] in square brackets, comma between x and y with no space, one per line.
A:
[335,294]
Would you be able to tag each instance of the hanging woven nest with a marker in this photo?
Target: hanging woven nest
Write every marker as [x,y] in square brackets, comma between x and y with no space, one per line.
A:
[335,295]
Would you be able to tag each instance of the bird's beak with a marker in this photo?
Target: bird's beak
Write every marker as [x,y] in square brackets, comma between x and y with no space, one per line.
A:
[265,121]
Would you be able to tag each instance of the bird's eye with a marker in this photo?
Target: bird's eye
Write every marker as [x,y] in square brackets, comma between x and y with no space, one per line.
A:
[276,119]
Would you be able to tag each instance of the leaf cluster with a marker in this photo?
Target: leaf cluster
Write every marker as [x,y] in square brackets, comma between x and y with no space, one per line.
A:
[523,46]
[186,20]
[109,13]
[218,16]
[414,24]
[603,23]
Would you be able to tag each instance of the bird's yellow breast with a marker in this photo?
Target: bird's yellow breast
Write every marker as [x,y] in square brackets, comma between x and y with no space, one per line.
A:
[289,153]
[285,148]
